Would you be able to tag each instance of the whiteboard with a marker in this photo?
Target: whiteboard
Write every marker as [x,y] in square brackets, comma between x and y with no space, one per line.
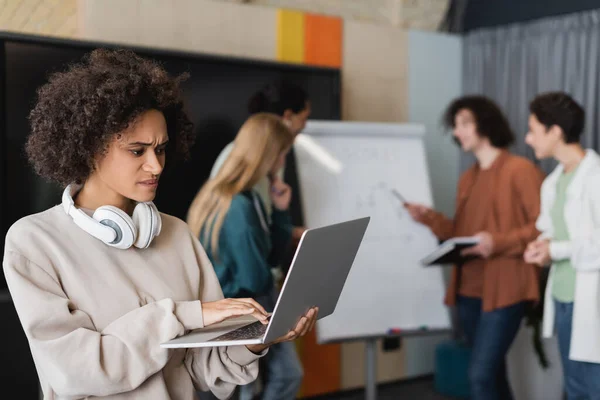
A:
[387,287]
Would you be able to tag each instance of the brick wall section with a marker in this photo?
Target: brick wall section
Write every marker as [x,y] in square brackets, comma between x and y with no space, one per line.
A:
[45,17]
[59,17]
[406,14]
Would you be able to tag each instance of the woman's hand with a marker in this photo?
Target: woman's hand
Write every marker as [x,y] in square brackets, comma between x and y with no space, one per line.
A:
[538,253]
[483,249]
[417,211]
[305,325]
[297,233]
[281,193]
[218,311]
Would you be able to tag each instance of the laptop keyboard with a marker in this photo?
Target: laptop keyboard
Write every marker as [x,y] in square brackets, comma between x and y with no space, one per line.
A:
[253,331]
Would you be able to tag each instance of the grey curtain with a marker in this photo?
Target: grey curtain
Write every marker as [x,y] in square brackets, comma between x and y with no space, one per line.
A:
[512,64]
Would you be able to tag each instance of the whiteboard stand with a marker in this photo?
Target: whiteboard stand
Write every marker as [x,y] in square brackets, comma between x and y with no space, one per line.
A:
[371,369]
[371,352]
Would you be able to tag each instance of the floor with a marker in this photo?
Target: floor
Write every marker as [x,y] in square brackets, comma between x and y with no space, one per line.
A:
[418,389]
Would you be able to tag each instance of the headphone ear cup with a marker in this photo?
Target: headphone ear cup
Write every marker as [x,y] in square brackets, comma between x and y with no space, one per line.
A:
[148,221]
[156,218]
[120,222]
[142,218]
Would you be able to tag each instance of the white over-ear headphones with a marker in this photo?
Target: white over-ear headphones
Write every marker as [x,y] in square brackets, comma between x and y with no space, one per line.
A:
[114,226]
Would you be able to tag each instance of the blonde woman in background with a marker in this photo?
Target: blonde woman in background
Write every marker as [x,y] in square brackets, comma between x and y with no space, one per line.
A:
[244,241]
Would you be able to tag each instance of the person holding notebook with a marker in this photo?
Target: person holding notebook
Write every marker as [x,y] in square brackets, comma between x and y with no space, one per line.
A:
[570,239]
[498,202]
[245,239]
[101,280]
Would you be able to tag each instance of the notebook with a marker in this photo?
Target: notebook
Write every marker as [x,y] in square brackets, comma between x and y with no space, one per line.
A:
[449,251]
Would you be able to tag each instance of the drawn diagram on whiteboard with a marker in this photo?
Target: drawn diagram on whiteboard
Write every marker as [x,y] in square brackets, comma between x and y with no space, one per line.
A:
[389,219]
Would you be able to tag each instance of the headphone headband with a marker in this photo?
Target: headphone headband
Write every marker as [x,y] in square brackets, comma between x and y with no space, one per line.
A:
[112,225]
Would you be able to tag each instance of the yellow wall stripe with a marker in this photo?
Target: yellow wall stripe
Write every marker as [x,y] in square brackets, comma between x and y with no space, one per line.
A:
[290,36]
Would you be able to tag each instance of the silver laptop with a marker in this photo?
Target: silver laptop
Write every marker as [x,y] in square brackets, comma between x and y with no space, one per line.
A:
[315,279]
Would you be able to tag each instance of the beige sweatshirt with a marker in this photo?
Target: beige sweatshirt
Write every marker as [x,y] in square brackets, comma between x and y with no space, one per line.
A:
[95,315]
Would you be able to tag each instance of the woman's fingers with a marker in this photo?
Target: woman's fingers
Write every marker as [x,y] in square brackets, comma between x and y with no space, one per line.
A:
[314,319]
[236,311]
[237,307]
[255,304]
[244,310]
[311,319]
[301,326]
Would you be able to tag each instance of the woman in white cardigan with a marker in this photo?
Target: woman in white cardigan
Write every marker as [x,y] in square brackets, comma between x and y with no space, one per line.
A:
[569,223]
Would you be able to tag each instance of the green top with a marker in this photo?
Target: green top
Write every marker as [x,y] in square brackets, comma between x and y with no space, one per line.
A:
[563,284]
[249,245]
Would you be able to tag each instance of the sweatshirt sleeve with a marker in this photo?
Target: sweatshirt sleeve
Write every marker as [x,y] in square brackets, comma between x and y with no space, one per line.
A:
[441,226]
[74,357]
[218,369]
[528,182]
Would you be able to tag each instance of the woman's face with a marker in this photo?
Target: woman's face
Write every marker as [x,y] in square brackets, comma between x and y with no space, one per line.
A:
[135,159]
[465,130]
[297,121]
[542,140]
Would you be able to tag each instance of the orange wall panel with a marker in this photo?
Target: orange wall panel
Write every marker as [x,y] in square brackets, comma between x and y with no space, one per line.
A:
[322,40]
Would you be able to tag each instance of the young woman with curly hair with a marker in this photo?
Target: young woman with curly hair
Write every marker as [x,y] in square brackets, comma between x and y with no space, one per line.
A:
[101,280]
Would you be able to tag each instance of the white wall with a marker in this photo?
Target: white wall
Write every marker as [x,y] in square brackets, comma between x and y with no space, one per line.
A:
[434,79]
[527,377]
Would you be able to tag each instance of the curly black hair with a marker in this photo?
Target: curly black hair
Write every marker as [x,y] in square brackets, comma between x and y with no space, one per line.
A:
[490,120]
[79,111]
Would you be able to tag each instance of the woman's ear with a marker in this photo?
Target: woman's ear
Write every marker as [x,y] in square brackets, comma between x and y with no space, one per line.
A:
[287,117]
[556,132]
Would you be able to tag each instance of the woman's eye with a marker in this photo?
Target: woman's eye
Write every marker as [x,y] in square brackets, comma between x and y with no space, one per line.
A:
[137,153]
[160,150]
